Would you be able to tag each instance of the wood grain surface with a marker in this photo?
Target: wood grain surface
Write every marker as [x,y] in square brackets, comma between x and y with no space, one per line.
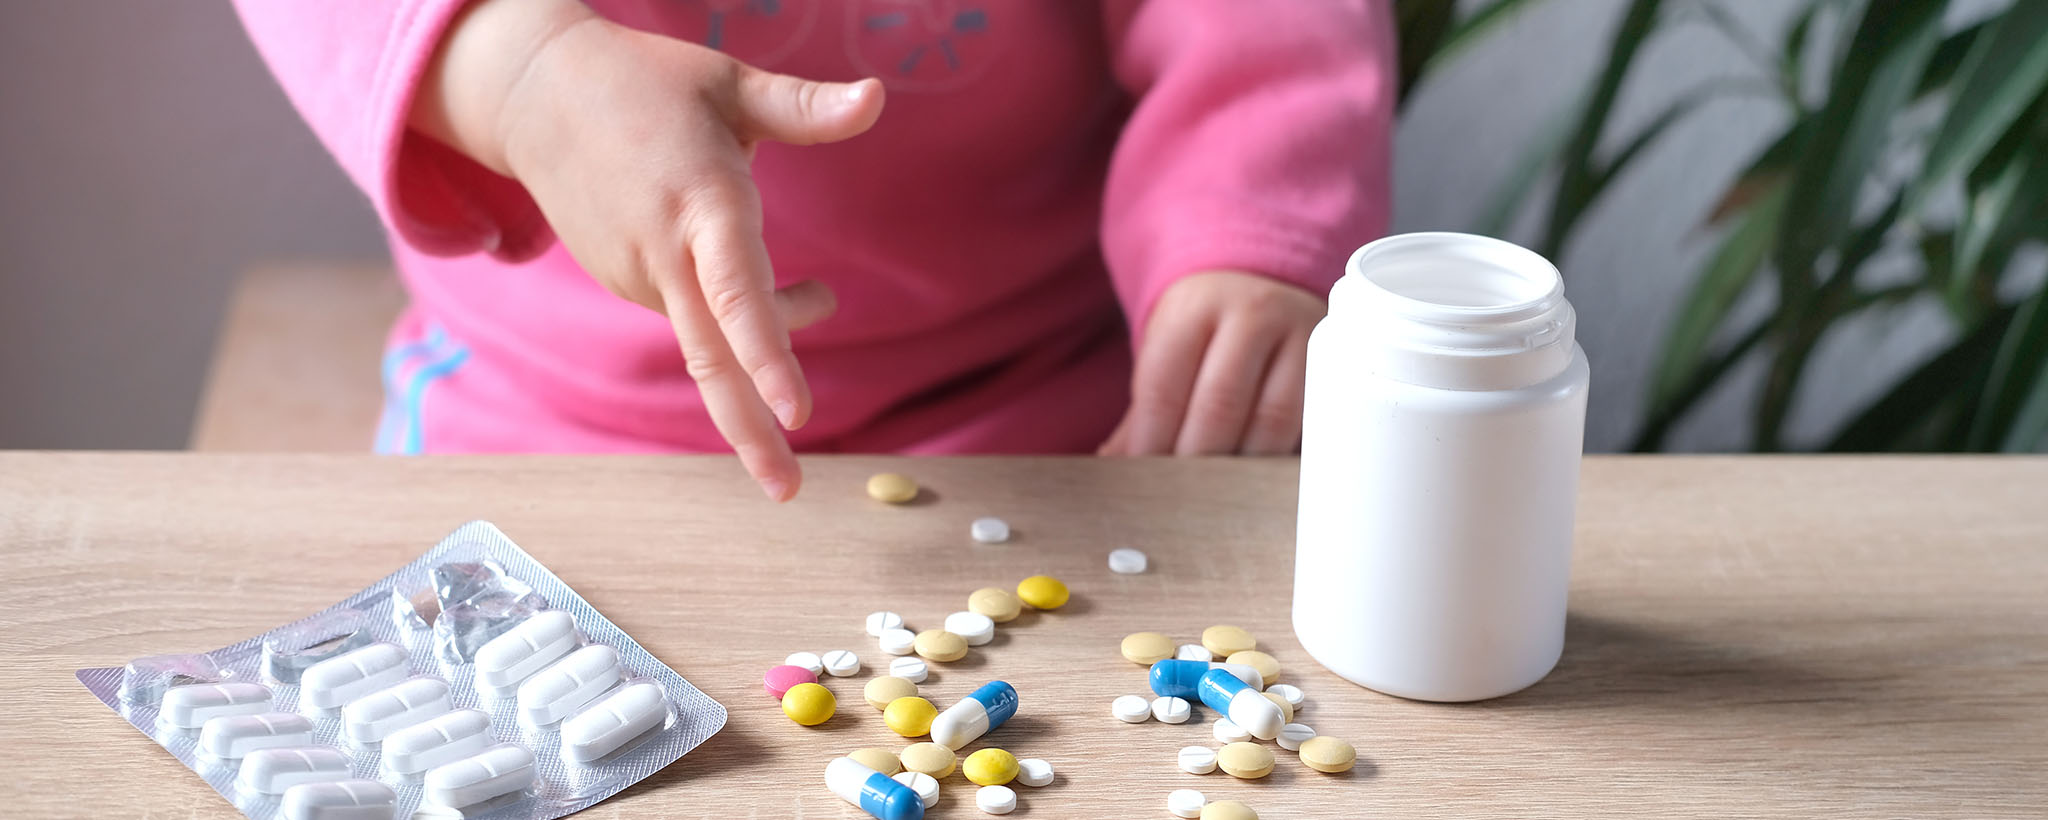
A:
[1750,637]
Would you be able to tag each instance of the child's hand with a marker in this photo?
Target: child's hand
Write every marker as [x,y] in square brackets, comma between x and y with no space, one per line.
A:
[1220,369]
[636,147]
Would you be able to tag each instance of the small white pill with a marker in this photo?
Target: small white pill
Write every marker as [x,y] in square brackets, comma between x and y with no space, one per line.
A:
[523,650]
[1034,772]
[995,799]
[1197,759]
[501,769]
[609,723]
[190,707]
[1127,561]
[977,628]
[271,771]
[807,660]
[1292,694]
[1194,652]
[340,800]
[1293,735]
[236,736]
[375,716]
[1228,732]
[880,622]
[573,681]
[926,786]
[989,530]
[910,668]
[1186,803]
[336,681]
[437,742]
[1131,709]
[897,641]
[1172,710]
[839,663]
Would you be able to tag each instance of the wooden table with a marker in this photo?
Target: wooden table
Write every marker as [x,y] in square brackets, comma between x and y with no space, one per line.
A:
[1755,637]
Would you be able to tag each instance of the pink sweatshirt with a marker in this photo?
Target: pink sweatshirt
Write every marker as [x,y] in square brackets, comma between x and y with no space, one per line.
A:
[1042,171]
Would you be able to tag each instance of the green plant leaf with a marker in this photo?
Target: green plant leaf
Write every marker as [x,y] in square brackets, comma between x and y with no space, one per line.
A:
[1575,185]
[1890,419]
[1720,281]
[1691,101]
[1771,168]
[1473,29]
[1537,155]
[2005,199]
[2004,73]
[2016,374]
[1421,25]
[1948,59]
[2030,426]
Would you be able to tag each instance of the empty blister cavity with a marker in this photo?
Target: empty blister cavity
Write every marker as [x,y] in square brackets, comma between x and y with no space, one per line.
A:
[526,648]
[272,771]
[289,652]
[479,602]
[190,707]
[340,800]
[558,690]
[437,742]
[336,681]
[235,736]
[375,716]
[611,722]
[499,770]
[146,680]
[414,607]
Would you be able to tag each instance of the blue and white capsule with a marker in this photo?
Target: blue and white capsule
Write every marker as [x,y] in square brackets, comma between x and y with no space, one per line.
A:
[982,710]
[1173,678]
[874,792]
[1244,705]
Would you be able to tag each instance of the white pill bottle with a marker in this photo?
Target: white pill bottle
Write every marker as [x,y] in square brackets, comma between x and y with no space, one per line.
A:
[1445,417]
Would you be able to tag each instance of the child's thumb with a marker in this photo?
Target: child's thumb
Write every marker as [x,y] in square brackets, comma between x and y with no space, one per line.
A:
[801,112]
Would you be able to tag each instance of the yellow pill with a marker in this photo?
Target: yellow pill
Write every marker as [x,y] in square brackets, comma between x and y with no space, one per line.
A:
[1042,592]
[808,704]
[1328,754]
[881,691]
[1268,666]
[1286,709]
[910,717]
[891,487]
[879,759]
[940,645]
[1224,641]
[929,758]
[1228,810]
[990,767]
[1147,648]
[1247,760]
[996,603]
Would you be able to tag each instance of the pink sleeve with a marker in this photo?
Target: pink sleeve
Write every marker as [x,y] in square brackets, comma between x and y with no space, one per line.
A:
[1259,140]
[351,69]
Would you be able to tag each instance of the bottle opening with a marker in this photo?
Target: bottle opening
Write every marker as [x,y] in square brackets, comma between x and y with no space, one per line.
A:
[1458,277]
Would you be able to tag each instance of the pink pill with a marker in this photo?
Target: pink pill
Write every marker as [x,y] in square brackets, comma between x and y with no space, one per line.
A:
[779,679]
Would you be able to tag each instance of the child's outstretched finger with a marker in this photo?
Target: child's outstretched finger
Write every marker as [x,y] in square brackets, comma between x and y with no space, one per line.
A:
[1164,378]
[1226,388]
[1275,427]
[729,396]
[739,288]
[802,112]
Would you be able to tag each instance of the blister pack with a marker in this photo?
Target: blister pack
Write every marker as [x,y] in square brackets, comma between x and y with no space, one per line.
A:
[470,683]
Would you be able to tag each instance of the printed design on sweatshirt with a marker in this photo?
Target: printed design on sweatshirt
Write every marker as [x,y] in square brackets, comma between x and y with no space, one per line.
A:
[921,45]
[759,32]
[409,370]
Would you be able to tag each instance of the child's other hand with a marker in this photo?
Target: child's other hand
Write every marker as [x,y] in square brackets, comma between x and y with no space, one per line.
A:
[1220,369]
[636,148]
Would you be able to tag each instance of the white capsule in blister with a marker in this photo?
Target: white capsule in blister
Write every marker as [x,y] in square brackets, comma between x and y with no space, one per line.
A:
[609,723]
[340,800]
[237,735]
[271,771]
[558,690]
[375,716]
[336,681]
[190,707]
[524,649]
[502,769]
[439,741]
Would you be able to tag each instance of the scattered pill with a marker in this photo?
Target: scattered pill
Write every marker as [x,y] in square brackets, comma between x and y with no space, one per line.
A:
[375,716]
[1147,647]
[995,799]
[940,645]
[974,627]
[235,736]
[839,663]
[1131,709]
[1194,652]
[1173,678]
[271,771]
[501,769]
[807,660]
[1197,759]
[1293,735]
[880,622]
[928,758]
[896,642]
[1034,772]
[1042,592]
[190,707]
[437,742]
[989,530]
[1328,754]
[1286,709]
[526,648]
[1224,641]
[780,678]
[1186,803]
[892,488]
[926,786]
[879,759]
[1227,732]
[911,669]
[340,800]
[1245,706]
[989,767]
[910,717]
[874,792]
[565,687]
[1172,710]
[809,704]
[1293,694]
[1228,810]
[336,681]
[885,689]
[1246,760]
[987,707]
[1127,561]
[1000,605]
[614,721]
[1268,666]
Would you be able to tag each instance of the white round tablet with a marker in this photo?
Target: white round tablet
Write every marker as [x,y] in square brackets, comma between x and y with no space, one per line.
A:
[1291,693]
[995,799]
[898,641]
[807,660]
[1034,772]
[1293,735]
[1131,709]
[1172,710]
[926,786]
[839,663]
[1197,759]
[1227,732]
[989,530]
[1194,652]
[880,622]
[910,668]
[1126,561]
[1186,803]
[977,628]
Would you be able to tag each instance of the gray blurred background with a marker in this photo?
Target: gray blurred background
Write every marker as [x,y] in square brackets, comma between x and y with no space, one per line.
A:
[146,158]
